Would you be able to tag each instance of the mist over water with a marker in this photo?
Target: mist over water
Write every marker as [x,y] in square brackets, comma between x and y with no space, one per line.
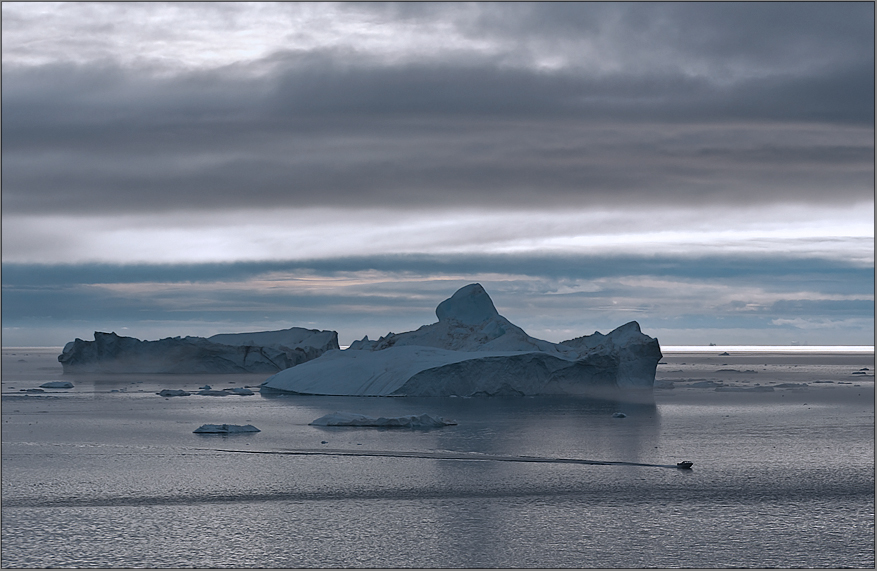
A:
[93,477]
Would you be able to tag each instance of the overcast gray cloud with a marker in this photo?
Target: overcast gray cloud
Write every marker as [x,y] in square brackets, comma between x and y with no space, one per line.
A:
[704,168]
[713,102]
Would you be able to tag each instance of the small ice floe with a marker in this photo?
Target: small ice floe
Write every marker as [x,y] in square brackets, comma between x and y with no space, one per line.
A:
[744,389]
[57,385]
[212,393]
[32,390]
[225,392]
[205,388]
[705,385]
[619,415]
[408,421]
[225,429]
[173,393]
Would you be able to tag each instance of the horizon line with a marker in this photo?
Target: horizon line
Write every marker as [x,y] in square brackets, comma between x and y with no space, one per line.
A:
[669,348]
[770,348]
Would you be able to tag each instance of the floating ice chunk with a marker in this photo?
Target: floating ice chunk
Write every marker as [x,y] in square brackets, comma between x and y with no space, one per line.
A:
[57,385]
[205,388]
[212,393]
[241,391]
[225,428]
[619,415]
[744,389]
[173,393]
[705,385]
[408,421]
[225,392]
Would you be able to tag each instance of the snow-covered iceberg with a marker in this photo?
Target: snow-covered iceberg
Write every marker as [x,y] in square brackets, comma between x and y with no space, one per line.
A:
[406,421]
[259,352]
[474,351]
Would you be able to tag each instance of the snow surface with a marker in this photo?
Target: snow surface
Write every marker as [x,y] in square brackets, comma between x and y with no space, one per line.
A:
[474,351]
[259,352]
[407,421]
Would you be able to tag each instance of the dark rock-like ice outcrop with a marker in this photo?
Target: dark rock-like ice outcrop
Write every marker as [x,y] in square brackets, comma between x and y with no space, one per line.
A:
[260,352]
[474,351]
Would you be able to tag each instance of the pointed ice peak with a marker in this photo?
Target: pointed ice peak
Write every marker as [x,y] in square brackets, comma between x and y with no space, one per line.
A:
[470,305]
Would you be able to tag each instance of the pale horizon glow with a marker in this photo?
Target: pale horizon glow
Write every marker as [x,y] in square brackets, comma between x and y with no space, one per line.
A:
[194,237]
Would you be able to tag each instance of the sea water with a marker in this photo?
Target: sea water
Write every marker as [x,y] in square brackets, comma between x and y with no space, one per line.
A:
[109,474]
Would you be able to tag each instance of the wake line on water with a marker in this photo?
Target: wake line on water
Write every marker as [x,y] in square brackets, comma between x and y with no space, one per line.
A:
[441,456]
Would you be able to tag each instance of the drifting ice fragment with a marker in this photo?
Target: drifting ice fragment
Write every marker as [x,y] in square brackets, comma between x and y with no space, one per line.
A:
[57,385]
[173,393]
[225,428]
[225,392]
[240,391]
[409,421]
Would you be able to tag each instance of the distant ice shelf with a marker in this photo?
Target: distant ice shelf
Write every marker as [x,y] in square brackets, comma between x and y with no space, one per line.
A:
[259,352]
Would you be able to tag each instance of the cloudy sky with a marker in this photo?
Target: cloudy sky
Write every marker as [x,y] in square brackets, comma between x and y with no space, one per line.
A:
[706,169]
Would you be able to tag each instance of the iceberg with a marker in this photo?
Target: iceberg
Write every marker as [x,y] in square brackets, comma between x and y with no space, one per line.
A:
[474,351]
[259,352]
[407,421]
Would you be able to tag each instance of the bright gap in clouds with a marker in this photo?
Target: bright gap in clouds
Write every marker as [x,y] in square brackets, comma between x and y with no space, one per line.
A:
[840,233]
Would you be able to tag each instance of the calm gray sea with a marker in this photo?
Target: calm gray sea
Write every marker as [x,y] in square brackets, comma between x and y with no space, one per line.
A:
[109,474]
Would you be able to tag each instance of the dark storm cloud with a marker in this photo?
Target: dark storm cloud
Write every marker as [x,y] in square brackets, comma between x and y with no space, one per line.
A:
[337,127]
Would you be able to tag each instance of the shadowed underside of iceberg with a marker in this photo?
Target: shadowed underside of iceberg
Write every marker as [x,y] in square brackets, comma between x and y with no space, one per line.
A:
[474,351]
